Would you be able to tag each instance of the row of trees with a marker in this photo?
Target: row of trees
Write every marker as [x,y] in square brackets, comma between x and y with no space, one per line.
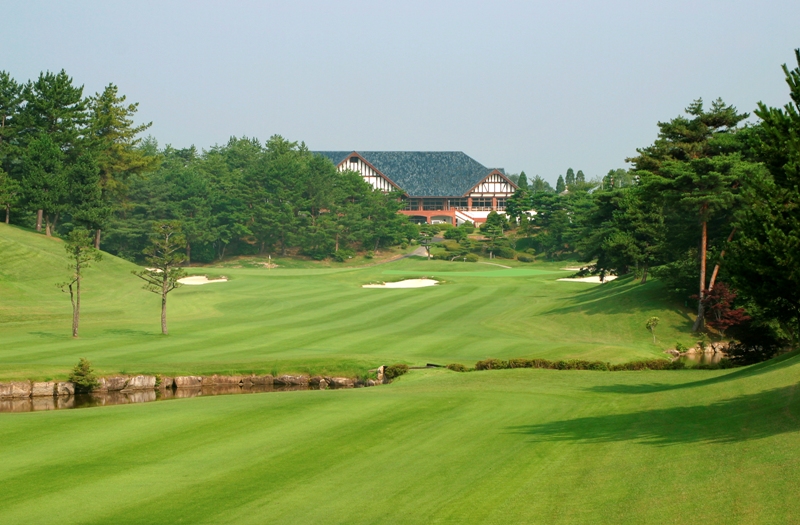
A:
[69,161]
[712,200]
[251,198]
[64,156]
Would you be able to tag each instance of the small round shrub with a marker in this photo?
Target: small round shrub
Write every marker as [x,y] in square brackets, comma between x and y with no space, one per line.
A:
[369,255]
[395,370]
[524,257]
[457,367]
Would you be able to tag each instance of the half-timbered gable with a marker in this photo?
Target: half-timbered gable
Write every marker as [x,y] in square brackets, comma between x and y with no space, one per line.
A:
[439,186]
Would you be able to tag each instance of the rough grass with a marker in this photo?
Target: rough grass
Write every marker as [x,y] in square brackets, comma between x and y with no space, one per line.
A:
[315,320]
[509,446]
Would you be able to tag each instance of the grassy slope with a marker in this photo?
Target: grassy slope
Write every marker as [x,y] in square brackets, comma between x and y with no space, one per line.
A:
[314,320]
[511,446]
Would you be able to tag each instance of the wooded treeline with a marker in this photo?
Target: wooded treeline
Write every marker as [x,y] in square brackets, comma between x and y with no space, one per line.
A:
[711,201]
[70,161]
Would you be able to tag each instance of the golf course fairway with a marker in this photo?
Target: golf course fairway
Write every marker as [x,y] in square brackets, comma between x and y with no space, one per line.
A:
[502,446]
[316,320]
[508,446]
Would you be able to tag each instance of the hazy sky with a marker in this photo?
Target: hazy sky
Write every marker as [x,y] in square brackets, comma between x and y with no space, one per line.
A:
[533,86]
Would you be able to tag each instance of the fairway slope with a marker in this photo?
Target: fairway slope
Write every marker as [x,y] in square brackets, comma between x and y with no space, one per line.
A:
[508,446]
[316,320]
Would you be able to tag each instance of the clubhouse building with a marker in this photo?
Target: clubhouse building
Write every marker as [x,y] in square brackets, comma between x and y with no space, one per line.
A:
[437,186]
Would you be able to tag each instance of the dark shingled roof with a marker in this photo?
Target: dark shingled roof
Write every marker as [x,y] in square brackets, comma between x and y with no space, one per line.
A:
[423,173]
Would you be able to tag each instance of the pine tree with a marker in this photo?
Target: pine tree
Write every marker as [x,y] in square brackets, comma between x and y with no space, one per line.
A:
[114,142]
[580,178]
[81,253]
[560,186]
[522,183]
[570,178]
[766,255]
[694,166]
[164,257]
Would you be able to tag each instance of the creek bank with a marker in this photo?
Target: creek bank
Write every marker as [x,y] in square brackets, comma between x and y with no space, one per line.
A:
[27,396]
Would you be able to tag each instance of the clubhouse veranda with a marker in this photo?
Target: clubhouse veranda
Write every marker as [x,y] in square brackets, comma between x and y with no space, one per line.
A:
[437,186]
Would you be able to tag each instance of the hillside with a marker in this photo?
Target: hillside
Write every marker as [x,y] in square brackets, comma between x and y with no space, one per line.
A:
[316,320]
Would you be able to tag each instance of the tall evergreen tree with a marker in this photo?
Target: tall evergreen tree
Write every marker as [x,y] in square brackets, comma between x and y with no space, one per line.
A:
[694,165]
[560,186]
[522,182]
[569,180]
[114,140]
[56,108]
[766,255]
[580,178]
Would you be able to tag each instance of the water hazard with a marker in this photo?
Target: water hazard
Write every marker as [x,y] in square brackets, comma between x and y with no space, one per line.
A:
[35,404]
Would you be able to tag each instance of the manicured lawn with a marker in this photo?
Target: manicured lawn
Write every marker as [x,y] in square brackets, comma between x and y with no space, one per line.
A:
[510,446]
[316,320]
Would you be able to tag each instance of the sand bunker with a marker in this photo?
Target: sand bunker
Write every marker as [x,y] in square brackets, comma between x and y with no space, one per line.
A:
[196,280]
[408,283]
[591,279]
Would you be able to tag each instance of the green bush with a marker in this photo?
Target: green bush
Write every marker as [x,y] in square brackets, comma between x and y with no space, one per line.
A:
[83,377]
[491,364]
[451,246]
[457,367]
[504,253]
[524,257]
[369,255]
[343,254]
[403,245]
[395,370]
[470,257]
[680,347]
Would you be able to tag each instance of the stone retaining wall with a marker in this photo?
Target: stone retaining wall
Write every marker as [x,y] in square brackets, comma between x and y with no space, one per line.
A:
[143,383]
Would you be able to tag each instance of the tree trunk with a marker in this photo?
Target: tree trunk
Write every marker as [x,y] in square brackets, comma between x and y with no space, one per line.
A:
[188,253]
[53,226]
[699,322]
[644,274]
[97,239]
[76,305]
[39,214]
[47,226]
[337,243]
[719,262]
[8,213]
[164,305]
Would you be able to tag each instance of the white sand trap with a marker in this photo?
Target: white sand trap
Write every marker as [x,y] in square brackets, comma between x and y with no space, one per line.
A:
[408,283]
[196,280]
[591,279]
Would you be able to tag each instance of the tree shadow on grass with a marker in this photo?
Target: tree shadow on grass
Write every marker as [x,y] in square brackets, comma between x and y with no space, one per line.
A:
[126,331]
[772,365]
[743,418]
[619,296]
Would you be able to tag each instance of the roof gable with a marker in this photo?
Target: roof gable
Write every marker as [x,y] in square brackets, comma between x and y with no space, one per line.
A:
[423,173]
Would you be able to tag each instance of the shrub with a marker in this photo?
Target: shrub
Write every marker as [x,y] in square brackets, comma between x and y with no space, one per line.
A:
[343,254]
[457,367]
[403,245]
[470,257]
[504,253]
[83,377]
[369,255]
[755,343]
[518,363]
[680,347]
[395,370]
[491,364]
[451,246]
[524,257]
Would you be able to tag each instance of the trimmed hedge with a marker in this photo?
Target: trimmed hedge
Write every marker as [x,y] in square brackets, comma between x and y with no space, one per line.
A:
[578,364]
